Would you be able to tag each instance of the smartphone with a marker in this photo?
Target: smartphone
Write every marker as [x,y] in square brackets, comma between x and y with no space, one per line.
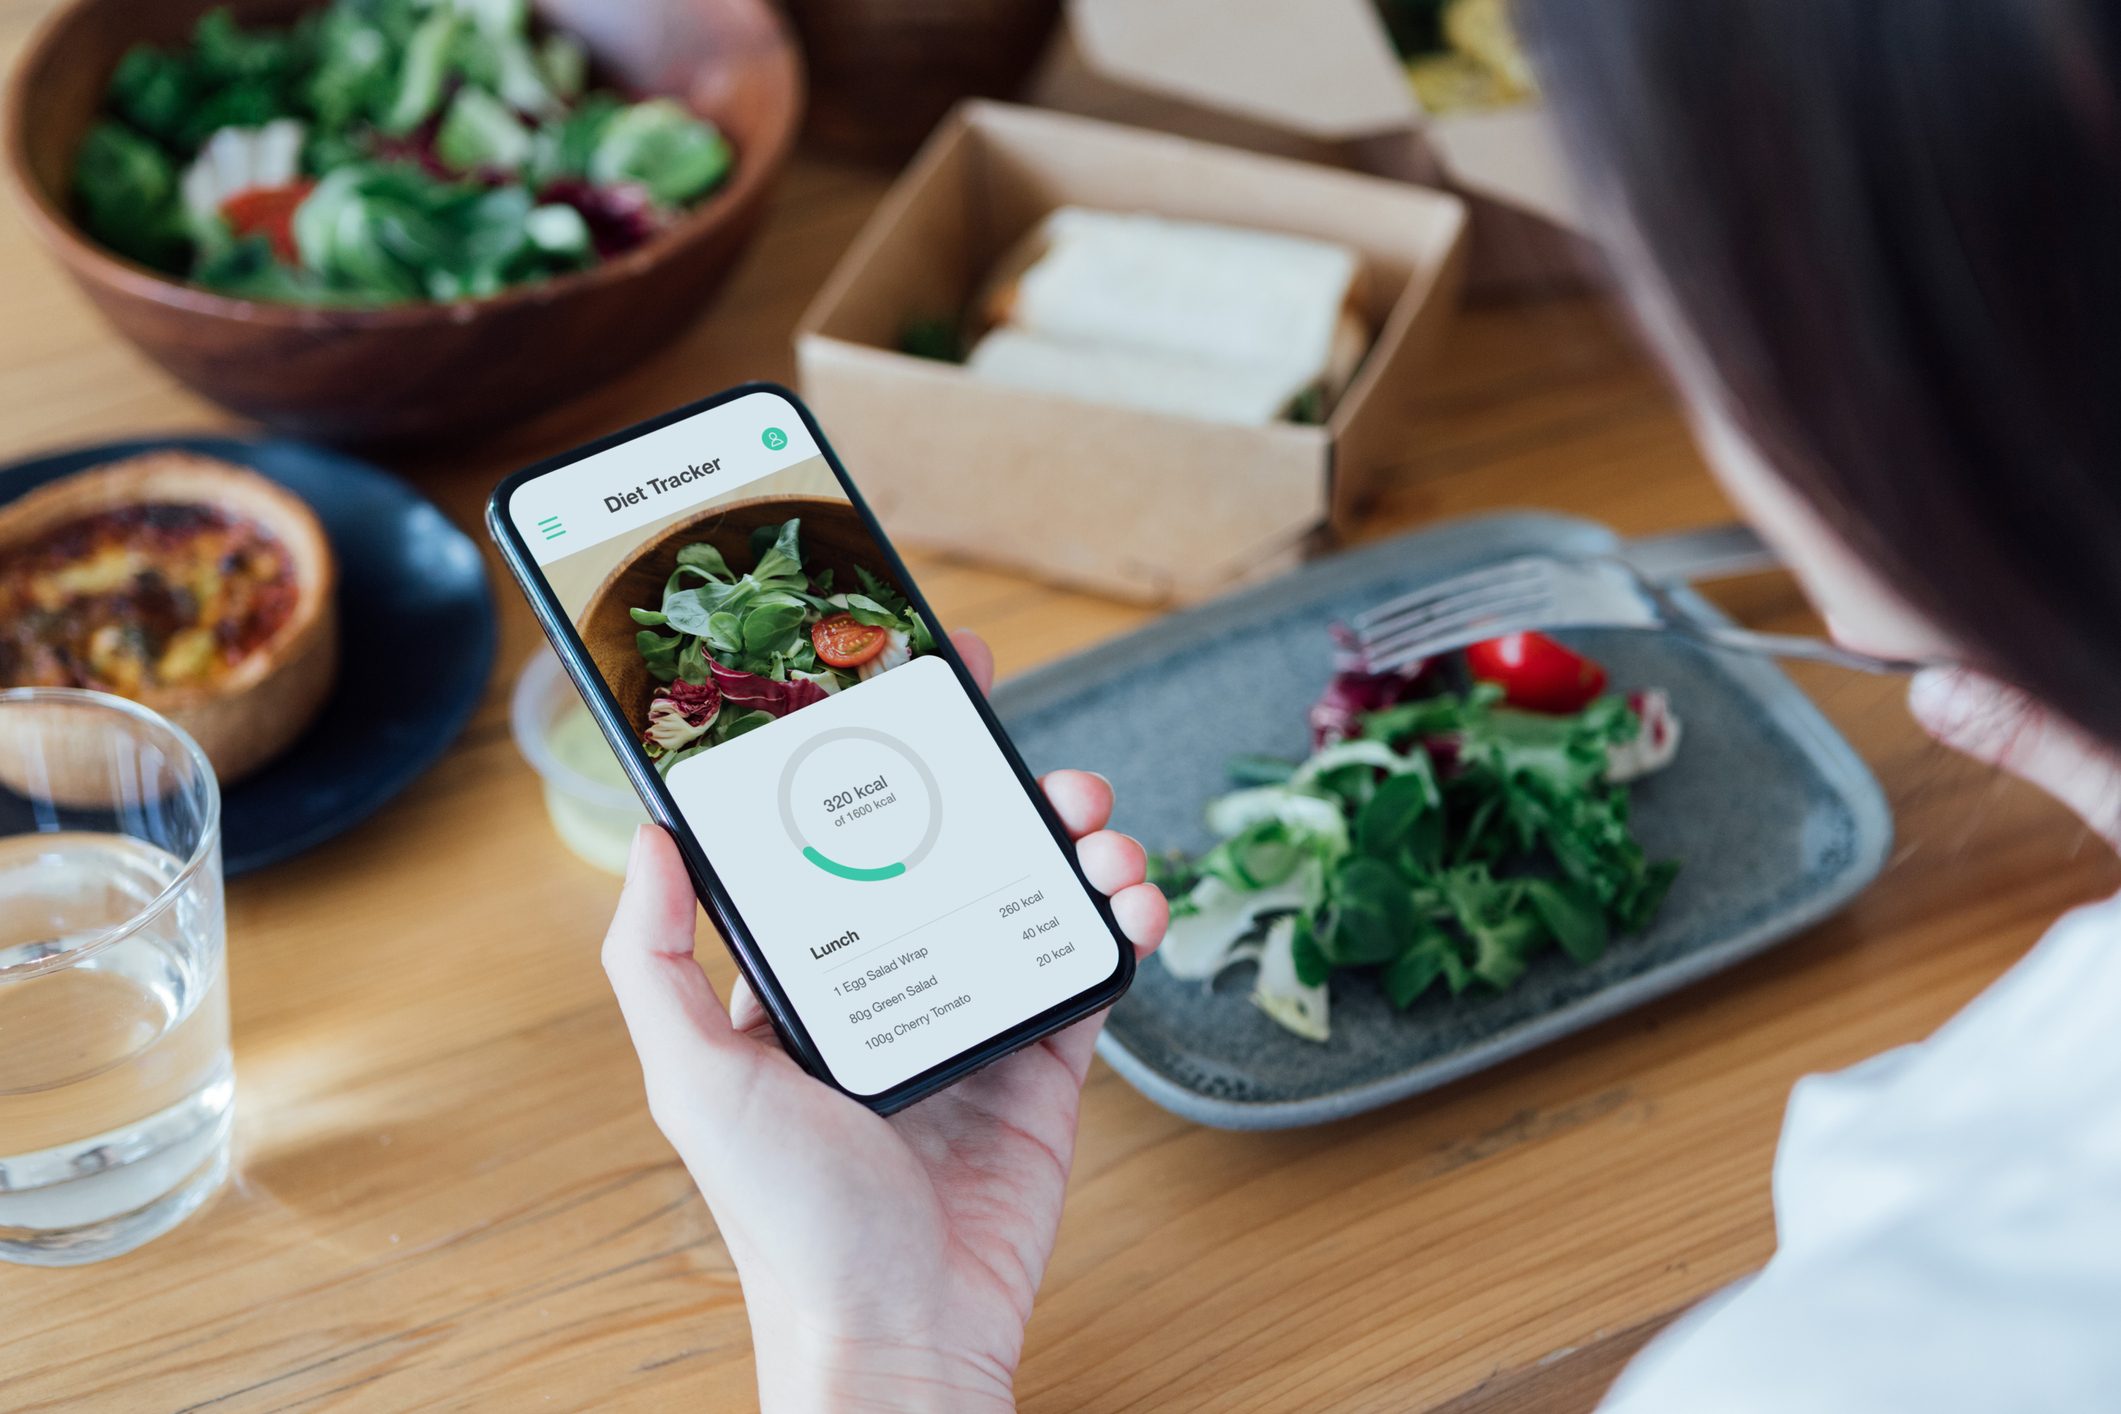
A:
[888,874]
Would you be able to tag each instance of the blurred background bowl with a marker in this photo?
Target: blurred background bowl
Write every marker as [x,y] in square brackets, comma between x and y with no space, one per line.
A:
[592,805]
[419,370]
[832,538]
[885,71]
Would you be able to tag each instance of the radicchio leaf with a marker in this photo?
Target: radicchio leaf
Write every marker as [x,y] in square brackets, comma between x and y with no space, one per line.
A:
[620,217]
[682,712]
[1351,692]
[755,693]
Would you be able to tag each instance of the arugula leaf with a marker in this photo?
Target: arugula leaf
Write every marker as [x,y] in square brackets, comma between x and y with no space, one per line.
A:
[1452,841]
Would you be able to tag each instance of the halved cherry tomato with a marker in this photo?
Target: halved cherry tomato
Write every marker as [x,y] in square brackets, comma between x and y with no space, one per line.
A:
[843,643]
[268,212]
[1536,673]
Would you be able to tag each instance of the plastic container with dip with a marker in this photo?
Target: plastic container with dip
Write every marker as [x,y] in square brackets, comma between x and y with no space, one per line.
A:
[593,808]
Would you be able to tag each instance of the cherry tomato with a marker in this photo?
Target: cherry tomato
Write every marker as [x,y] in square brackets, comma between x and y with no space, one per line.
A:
[843,643]
[1536,673]
[268,212]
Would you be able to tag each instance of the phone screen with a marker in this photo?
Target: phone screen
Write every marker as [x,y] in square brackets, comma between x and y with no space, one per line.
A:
[763,651]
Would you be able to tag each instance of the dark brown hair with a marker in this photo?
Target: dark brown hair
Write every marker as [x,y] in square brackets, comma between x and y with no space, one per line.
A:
[1892,228]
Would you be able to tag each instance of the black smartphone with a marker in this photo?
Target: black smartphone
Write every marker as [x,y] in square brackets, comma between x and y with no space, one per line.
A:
[887,872]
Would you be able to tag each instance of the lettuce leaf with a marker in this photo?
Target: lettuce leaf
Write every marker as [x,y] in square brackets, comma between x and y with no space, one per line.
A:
[662,146]
[1448,840]
[127,192]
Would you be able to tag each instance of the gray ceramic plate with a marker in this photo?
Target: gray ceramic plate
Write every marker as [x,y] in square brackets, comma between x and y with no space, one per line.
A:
[1774,819]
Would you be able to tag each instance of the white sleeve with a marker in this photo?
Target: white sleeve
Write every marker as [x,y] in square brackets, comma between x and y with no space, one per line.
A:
[1948,1220]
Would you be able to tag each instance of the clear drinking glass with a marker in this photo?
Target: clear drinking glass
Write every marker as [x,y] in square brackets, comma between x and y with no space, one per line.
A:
[115,1084]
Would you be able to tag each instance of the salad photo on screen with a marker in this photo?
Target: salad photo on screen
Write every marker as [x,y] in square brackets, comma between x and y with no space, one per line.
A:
[733,649]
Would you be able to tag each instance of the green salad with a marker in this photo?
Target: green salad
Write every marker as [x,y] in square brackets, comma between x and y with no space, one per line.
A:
[382,151]
[736,651]
[1436,837]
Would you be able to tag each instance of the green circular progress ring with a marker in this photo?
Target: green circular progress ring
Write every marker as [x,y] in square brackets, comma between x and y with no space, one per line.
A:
[833,866]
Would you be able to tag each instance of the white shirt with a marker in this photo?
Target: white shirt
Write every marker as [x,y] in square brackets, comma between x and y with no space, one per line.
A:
[1948,1217]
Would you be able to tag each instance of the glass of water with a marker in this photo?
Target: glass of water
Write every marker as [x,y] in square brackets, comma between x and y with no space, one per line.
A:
[115,1084]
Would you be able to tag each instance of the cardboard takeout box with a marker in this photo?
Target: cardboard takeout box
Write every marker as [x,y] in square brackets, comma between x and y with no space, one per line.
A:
[1140,505]
[1320,81]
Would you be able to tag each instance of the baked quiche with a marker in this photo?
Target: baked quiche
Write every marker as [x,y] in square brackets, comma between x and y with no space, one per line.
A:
[195,587]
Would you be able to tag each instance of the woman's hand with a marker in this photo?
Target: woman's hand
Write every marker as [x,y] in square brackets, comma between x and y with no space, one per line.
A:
[887,1263]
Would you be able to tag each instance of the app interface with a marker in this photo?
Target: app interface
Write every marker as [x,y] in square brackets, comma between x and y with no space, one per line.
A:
[909,898]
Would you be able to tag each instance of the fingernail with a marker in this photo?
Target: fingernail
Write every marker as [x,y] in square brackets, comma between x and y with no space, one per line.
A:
[633,852]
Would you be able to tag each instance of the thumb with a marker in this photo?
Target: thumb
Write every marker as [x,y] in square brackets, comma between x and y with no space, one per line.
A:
[2000,724]
[679,1027]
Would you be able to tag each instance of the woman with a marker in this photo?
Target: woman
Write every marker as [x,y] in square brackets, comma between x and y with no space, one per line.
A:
[1879,246]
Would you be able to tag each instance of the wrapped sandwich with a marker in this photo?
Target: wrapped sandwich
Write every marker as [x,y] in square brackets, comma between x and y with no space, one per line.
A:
[1209,321]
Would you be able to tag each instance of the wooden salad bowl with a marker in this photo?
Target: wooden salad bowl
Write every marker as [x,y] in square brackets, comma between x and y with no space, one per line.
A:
[833,537]
[258,710]
[421,370]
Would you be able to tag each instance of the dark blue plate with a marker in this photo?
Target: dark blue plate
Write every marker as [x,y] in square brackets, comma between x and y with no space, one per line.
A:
[416,638]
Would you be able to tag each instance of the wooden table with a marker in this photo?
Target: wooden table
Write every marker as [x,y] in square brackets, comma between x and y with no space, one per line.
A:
[450,1194]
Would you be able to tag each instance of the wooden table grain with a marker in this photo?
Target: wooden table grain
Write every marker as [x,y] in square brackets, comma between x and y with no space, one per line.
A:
[449,1194]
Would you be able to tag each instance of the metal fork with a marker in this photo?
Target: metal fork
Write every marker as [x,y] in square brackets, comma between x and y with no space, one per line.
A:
[1551,591]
